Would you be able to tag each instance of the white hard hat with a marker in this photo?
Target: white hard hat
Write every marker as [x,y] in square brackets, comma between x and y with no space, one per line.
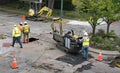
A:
[25,22]
[85,33]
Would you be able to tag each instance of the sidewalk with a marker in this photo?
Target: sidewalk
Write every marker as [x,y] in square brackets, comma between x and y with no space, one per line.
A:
[104,52]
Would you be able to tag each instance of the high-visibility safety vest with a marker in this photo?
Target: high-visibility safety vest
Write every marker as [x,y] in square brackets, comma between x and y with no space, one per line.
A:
[16,32]
[26,28]
[86,42]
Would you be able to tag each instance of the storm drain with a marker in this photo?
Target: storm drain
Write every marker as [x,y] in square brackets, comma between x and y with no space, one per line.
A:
[32,39]
[72,59]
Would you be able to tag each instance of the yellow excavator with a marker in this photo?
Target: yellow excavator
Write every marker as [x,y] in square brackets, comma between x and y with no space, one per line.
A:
[69,42]
[45,9]
[38,15]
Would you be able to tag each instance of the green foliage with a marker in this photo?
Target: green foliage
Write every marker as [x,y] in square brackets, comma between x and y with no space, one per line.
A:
[108,9]
[100,41]
[117,41]
[97,39]
[108,45]
[112,34]
[101,33]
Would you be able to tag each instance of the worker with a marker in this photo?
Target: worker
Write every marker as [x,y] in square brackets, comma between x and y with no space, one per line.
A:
[16,33]
[85,45]
[26,31]
[20,28]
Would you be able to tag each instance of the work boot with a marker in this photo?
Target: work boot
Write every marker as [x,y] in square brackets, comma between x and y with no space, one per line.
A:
[21,47]
[12,45]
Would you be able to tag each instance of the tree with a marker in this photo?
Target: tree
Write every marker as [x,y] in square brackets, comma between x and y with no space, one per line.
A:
[89,7]
[110,11]
[107,9]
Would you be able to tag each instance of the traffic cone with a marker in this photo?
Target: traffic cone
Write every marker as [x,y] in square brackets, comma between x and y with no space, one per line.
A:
[23,18]
[100,58]
[14,63]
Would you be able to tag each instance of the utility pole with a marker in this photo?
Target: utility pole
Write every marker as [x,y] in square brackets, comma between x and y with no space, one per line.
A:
[40,5]
[61,11]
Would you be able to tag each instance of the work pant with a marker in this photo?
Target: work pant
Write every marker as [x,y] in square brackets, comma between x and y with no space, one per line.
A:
[18,40]
[85,52]
[26,37]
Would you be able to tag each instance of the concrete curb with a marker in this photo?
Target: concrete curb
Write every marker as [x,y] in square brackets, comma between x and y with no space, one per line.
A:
[104,52]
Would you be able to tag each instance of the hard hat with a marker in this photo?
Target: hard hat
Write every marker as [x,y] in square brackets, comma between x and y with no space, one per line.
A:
[85,33]
[25,22]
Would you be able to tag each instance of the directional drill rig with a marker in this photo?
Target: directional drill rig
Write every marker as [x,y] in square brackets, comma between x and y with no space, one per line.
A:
[69,42]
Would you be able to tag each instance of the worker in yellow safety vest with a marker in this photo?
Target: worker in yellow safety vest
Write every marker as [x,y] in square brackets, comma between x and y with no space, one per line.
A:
[20,28]
[16,34]
[85,45]
[26,31]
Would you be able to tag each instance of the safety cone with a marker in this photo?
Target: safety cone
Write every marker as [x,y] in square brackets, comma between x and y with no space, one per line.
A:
[14,63]
[23,18]
[100,58]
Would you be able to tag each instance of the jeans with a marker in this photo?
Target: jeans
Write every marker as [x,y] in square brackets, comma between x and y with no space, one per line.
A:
[85,52]
[18,40]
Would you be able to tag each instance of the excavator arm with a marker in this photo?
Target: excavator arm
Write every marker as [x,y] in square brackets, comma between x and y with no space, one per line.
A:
[60,25]
[45,9]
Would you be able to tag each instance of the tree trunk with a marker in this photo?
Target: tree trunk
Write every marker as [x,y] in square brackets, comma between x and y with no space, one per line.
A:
[51,4]
[93,30]
[108,27]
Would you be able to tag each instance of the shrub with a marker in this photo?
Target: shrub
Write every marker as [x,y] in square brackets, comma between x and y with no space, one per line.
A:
[108,45]
[95,41]
[117,41]
[100,32]
[112,34]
